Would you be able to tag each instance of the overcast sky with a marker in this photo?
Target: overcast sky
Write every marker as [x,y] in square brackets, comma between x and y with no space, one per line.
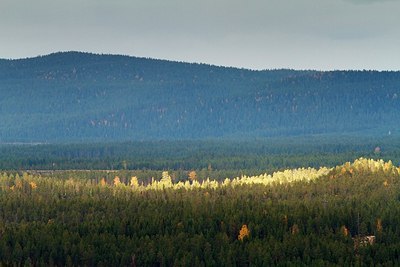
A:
[256,34]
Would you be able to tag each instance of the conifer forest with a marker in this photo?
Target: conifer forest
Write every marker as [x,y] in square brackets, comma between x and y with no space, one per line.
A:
[338,216]
[123,161]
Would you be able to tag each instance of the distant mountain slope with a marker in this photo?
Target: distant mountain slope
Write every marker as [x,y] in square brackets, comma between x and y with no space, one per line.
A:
[73,96]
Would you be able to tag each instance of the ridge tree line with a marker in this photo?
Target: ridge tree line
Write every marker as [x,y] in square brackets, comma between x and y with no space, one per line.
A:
[86,97]
[212,158]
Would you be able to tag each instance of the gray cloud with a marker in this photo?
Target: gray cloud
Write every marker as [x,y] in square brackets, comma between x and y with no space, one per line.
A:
[366,2]
[259,34]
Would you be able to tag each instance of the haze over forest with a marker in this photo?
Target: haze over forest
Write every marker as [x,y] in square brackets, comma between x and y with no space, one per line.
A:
[73,96]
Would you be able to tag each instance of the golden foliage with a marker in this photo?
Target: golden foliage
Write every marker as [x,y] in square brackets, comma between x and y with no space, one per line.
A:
[117,181]
[374,166]
[345,231]
[18,183]
[134,182]
[166,180]
[244,232]
[103,182]
[70,182]
[192,176]
[279,177]
[33,185]
[388,166]
[379,226]
[165,177]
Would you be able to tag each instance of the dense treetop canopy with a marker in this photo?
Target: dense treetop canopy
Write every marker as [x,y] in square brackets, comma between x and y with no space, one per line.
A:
[302,217]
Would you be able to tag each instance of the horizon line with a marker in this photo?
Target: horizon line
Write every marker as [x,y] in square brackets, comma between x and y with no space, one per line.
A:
[189,62]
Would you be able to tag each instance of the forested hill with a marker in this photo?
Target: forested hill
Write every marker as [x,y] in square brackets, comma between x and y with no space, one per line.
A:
[73,96]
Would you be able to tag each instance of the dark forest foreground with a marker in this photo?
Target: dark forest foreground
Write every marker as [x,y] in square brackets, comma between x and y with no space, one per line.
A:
[299,217]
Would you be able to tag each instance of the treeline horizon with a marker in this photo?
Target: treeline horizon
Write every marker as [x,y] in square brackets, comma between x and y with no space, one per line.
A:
[82,97]
[224,156]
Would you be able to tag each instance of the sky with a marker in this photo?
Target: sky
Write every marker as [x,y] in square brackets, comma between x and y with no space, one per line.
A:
[254,34]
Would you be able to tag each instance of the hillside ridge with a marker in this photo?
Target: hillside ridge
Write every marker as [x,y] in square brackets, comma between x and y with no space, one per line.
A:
[84,97]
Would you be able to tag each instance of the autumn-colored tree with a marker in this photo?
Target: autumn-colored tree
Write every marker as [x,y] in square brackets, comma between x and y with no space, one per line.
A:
[192,176]
[387,166]
[103,182]
[344,231]
[134,182]
[33,185]
[166,178]
[379,226]
[117,181]
[243,233]
[18,182]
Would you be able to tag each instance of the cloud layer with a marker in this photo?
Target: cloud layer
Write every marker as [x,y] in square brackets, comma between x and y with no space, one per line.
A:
[330,34]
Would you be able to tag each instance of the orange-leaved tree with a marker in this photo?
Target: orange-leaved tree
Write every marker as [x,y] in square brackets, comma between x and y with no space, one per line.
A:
[243,233]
